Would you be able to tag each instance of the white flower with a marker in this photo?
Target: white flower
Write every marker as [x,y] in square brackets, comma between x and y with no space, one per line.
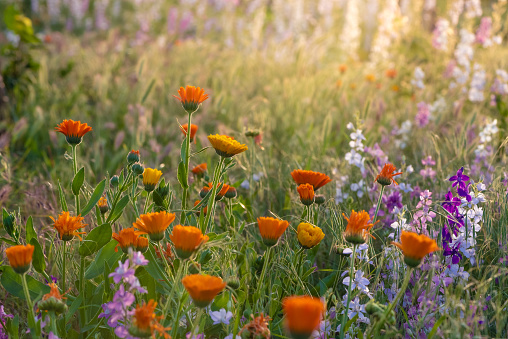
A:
[410,169]
[406,188]
[350,126]
[245,184]
[359,282]
[221,317]
[230,336]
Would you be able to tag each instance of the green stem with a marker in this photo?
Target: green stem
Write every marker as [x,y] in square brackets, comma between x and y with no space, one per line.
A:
[175,284]
[54,329]
[351,278]
[64,250]
[196,322]
[186,170]
[268,254]
[75,170]
[146,203]
[378,203]
[82,313]
[211,200]
[30,306]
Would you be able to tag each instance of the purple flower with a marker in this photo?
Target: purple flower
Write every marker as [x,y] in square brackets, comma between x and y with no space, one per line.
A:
[459,179]
[123,271]
[423,115]
[392,201]
[428,161]
[138,259]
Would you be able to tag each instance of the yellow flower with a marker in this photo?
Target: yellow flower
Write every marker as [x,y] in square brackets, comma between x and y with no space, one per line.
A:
[154,224]
[302,315]
[151,178]
[67,226]
[271,229]
[103,205]
[186,240]
[203,288]
[226,146]
[415,247]
[309,235]
[20,257]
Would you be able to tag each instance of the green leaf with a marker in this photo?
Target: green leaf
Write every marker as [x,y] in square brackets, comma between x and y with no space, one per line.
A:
[63,203]
[182,175]
[154,269]
[38,258]
[11,281]
[436,326]
[12,326]
[96,195]
[9,14]
[96,239]
[8,241]
[148,90]
[120,205]
[30,232]
[73,308]
[78,180]
[108,255]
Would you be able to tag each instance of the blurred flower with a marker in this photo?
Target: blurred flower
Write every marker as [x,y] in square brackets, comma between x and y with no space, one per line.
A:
[231,193]
[342,68]
[73,131]
[203,288]
[203,208]
[309,235]
[67,226]
[391,73]
[271,229]
[423,115]
[306,192]
[302,315]
[370,77]
[129,238]
[200,169]
[221,316]
[151,178]
[257,327]
[191,97]
[194,129]
[385,177]
[415,247]
[154,224]
[417,81]
[357,228]
[20,257]
[186,240]
[316,179]
[52,301]
[440,34]
[226,146]
[145,322]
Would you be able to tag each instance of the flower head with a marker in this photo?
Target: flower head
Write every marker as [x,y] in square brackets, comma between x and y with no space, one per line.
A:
[231,193]
[151,178]
[226,146]
[203,288]
[146,323]
[20,257]
[391,73]
[130,238]
[154,224]
[271,229]
[205,208]
[186,240]
[103,205]
[302,315]
[200,169]
[73,131]
[306,192]
[52,301]
[309,235]
[385,177]
[316,179]
[415,247]
[219,195]
[67,226]
[358,227]
[194,129]
[191,97]
[257,327]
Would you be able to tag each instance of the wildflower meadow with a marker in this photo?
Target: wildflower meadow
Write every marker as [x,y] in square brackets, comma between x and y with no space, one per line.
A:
[254,169]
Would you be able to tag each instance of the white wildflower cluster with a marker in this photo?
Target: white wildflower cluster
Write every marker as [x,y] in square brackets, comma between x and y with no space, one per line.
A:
[463,53]
[400,225]
[500,85]
[418,77]
[486,135]
[340,196]
[440,34]
[403,134]
[355,157]
[477,84]
[351,32]
[386,32]
[455,11]
[438,106]
[358,188]
[473,8]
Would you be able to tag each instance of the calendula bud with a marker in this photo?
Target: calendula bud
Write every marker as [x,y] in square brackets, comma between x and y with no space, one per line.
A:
[319,199]
[114,181]
[233,282]
[133,157]
[8,220]
[137,168]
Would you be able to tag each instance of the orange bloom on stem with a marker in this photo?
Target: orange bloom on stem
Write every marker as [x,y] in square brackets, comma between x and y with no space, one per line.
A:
[52,301]
[129,237]
[385,177]
[391,73]
[200,169]
[306,192]
[193,130]
[203,288]
[358,227]
[257,327]
[316,179]
[302,315]
[415,247]
[154,224]
[67,226]
[146,323]
[219,195]
[342,68]
[20,257]
[73,131]
[191,97]
[133,157]
[271,229]
[186,240]
[205,209]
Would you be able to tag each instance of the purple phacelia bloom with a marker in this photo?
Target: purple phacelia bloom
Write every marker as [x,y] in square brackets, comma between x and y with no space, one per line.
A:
[459,179]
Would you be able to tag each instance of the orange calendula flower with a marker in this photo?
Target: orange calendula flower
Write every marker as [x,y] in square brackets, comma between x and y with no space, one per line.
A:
[226,146]
[257,327]
[302,315]
[391,73]
[146,323]
[219,195]
[385,177]
[187,239]
[103,205]
[415,247]
[205,209]
[154,224]
[271,229]
[191,97]
[342,68]
[193,130]
[73,131]
[309,235]
[358,227]
[203,288]
[130,238]
[151,178]
[200,169]
[316,179]
[231,193]
[52,301]
[20,257]
[306,192]
[67,226]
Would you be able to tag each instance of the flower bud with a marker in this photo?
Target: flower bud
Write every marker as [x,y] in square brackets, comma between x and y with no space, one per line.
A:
[319,199]
[114,181]
[231,193]
[233,282]
[137,168]
[133,157]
